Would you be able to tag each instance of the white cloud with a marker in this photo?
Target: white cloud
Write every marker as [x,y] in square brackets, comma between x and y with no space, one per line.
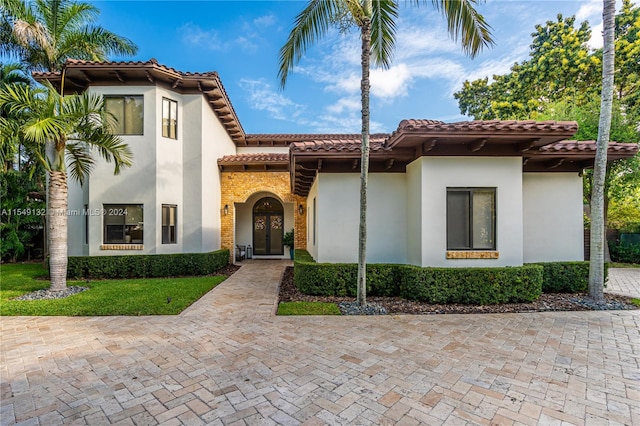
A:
[345,105]
[588,10]
[194,35]
[263,97]
[265,21]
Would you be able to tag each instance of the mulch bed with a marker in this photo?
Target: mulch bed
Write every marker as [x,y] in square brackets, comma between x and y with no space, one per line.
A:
[397,305]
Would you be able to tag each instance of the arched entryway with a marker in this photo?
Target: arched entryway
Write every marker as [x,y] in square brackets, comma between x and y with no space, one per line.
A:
[268,227]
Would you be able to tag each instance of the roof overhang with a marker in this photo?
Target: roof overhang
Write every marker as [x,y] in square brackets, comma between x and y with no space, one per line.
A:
[79,75]
[541,145]
[259,162]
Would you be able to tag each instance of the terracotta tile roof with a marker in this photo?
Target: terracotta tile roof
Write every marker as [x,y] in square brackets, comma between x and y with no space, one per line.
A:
[86,73]
[572,146]
[376,143]
[127,64]
[489,125]
[286,139]
[254,158]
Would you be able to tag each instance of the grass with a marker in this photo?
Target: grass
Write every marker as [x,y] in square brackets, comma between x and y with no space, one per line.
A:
[624,265]
[153,296]
[308,308]
[636,302]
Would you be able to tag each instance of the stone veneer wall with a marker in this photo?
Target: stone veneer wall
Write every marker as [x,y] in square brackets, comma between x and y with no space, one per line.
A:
[237,187]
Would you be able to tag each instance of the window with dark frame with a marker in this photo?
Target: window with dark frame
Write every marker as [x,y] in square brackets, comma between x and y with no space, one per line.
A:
[123,223]
[169,118]
[128,112]
[471,218]
[169,224]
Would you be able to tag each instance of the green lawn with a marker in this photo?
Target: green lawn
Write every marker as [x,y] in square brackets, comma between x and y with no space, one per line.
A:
[308,308]
[104,297]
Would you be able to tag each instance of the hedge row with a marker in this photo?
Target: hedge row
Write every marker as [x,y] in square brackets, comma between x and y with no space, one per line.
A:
[567,277]
[625,252]
[147,266]
[432,285]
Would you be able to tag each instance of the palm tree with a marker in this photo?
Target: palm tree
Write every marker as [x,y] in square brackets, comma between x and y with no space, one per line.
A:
[43,34]
[61,131]
[10,74]
[376,20]
[596,264]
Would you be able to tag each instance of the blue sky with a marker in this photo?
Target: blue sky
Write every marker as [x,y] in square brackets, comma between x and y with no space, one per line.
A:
[241,40]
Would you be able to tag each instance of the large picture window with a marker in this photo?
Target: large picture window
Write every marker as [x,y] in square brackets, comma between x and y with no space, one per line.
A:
[471,219]
[123,223]
[169,118]
[169,223]
[129,113]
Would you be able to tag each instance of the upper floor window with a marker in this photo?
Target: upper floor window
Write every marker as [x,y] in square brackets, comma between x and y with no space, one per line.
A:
[169,118]
[471,218]
[129,113]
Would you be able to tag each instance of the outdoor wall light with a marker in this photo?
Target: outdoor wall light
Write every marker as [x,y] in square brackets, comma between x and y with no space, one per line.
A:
[226,209]
[300,209]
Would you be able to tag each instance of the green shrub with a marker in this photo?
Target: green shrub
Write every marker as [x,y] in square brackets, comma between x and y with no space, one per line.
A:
[567,277]
[625,252]
[432,285]
[147,265]
[477,286]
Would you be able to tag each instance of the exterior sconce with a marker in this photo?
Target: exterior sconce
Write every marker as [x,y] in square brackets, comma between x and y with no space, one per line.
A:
[226,209]
[300,209]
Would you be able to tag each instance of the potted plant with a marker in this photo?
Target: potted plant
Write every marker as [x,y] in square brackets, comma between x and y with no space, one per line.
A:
[287,240]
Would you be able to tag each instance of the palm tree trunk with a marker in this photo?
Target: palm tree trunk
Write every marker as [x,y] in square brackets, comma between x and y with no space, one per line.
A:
[57,227]
[596,265]
[364,163]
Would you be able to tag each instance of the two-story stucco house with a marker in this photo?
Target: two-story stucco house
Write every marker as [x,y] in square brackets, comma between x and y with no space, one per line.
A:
[478,193]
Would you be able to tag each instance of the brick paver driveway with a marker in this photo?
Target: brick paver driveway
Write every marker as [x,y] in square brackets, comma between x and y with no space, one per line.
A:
[228,360]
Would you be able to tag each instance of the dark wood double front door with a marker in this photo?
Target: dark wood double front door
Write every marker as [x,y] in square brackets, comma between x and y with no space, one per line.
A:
[268,227]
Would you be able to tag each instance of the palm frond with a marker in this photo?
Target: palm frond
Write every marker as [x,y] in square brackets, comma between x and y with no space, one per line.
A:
[383,31]
[465,22]
[311,24]
[79,160]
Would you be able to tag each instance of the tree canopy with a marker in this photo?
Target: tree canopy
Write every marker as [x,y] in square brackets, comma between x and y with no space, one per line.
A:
[561,67]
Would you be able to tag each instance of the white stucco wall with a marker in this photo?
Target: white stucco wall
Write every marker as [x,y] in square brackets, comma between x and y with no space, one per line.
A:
[440,173]
[169,172]
[553,218]
[181,171]
[134,185]
[313,237]
[338,204]
[414,213]
[77,198]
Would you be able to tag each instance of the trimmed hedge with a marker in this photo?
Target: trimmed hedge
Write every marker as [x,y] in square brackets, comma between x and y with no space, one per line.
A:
[432,285]
[625,252]
[147,265]
[567,277]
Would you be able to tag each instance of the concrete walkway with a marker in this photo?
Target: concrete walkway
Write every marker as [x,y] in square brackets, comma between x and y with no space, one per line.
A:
[229,361]
[624,281]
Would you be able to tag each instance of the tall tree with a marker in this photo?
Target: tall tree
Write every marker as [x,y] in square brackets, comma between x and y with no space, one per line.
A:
[43,34]
[60,131]
[596,262]
[376,20]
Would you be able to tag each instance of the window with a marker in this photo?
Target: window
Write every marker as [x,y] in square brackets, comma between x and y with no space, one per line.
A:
[471,219]
[169,221]
[128,112]
[169,118]
[123,223]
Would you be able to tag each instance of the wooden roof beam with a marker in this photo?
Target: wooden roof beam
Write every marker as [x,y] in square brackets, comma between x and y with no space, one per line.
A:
[150,77]
[389,163]
[477,145]
[552,164]
[119,76]
[527,145]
